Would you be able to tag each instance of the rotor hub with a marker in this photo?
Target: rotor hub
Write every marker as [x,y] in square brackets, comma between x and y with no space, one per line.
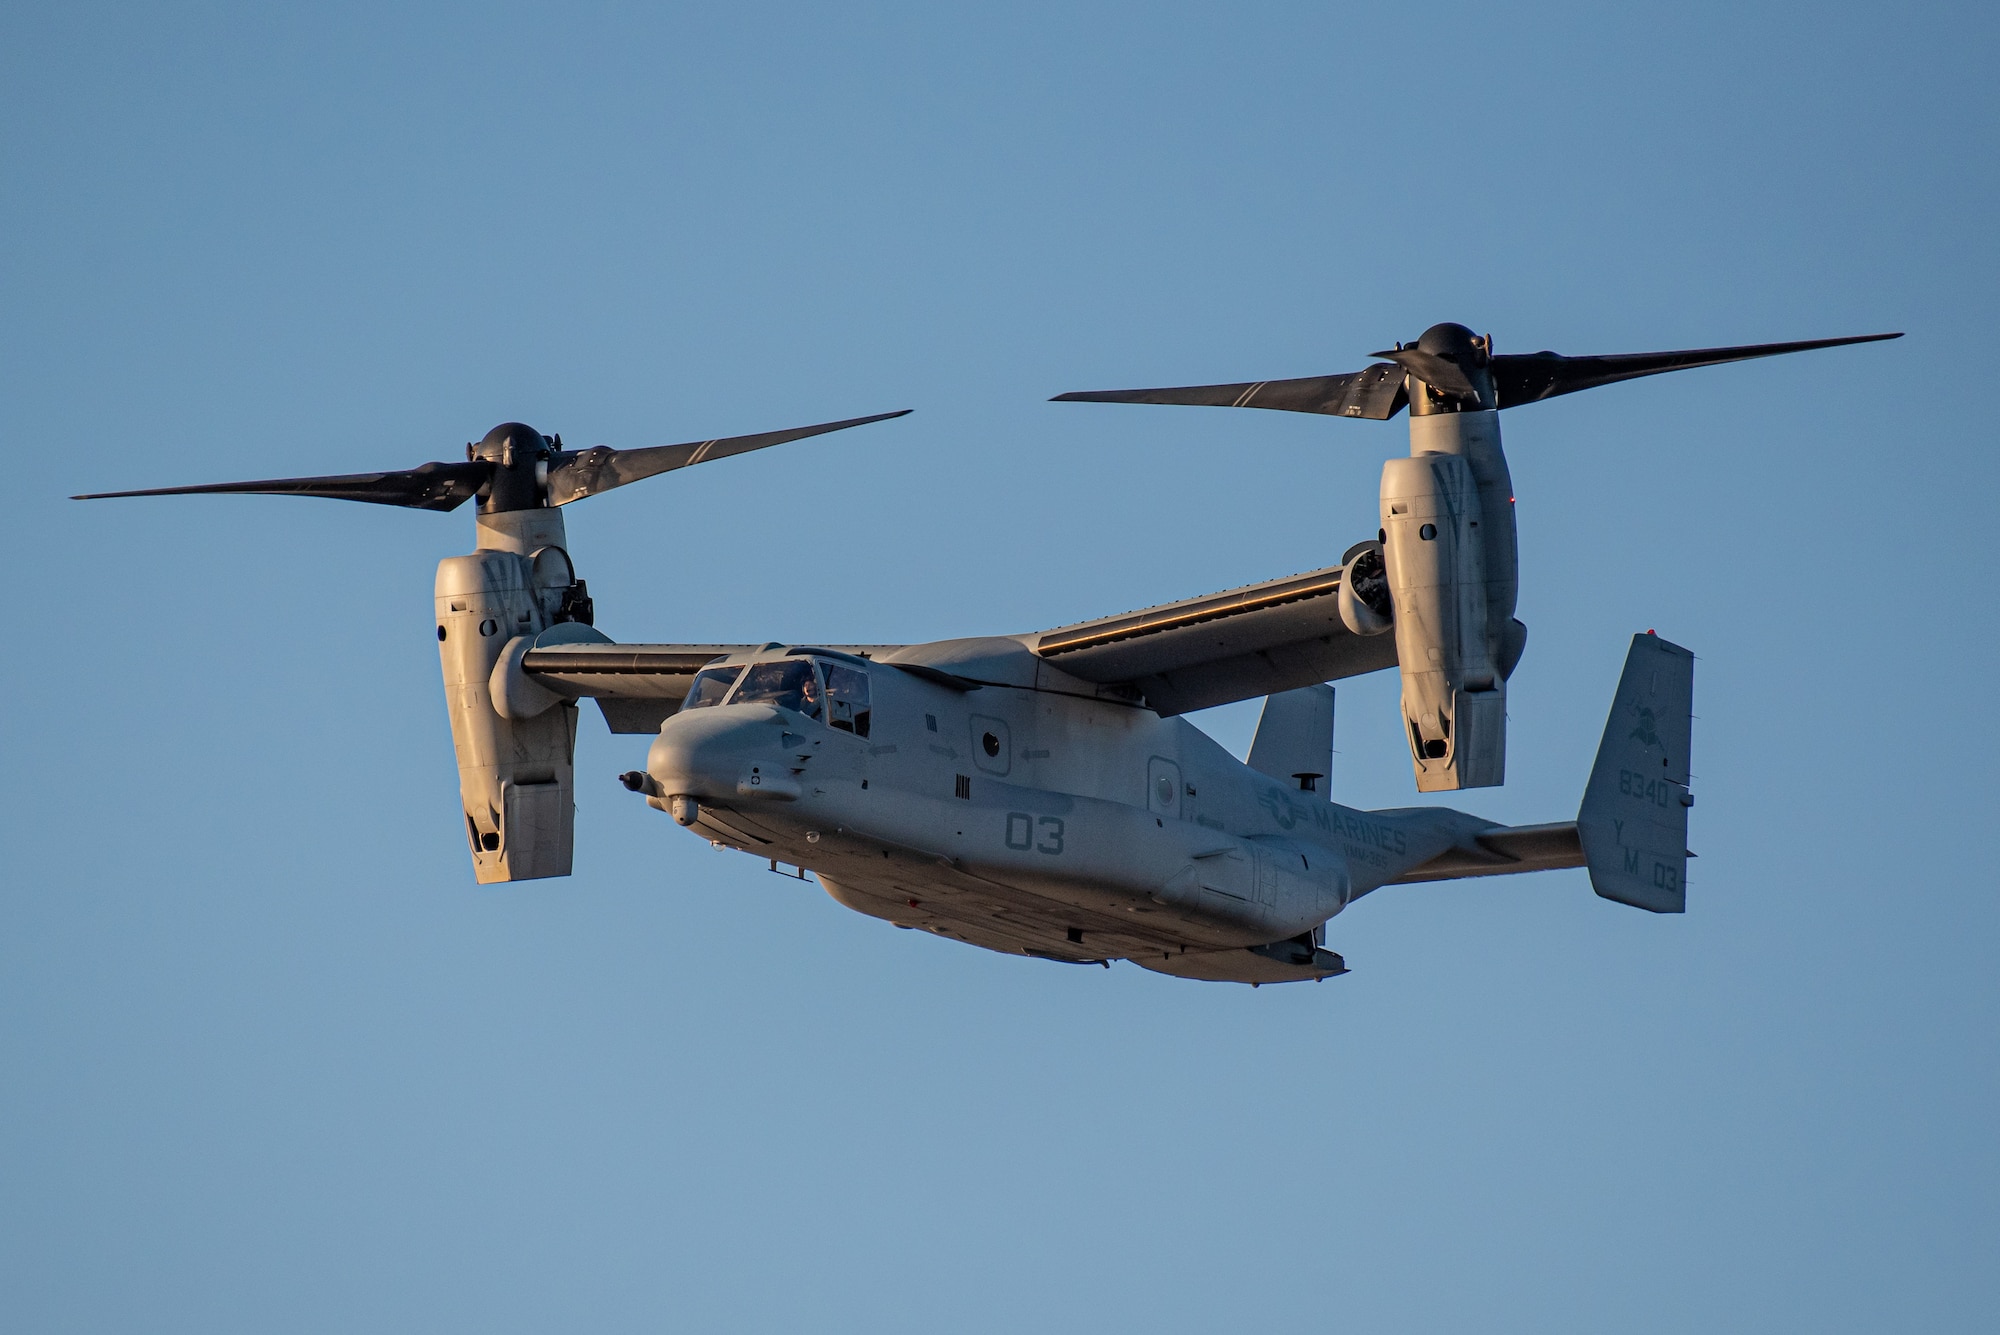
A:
[520,457]
[1456,343]
[1451,372]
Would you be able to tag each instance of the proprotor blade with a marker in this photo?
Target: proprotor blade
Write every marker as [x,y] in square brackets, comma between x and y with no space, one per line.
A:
[1433,370]
[588,472]
[1529,377]
[1375,393]
[434,486]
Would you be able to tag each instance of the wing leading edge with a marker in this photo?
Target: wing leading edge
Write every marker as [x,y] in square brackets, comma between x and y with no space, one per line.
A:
[1236,645]
[1176,657]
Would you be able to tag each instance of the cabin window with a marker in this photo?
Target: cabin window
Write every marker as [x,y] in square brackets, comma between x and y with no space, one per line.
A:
[846,698]
[790,684]
[710,685]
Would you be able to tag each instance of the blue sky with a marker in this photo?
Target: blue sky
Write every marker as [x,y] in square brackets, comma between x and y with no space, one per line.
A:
[269,1060]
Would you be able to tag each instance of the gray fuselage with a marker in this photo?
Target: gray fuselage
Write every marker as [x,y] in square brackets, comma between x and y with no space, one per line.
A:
[996,802]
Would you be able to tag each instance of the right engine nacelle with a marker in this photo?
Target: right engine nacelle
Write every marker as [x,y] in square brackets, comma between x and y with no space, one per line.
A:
[1445,528]
[515,742]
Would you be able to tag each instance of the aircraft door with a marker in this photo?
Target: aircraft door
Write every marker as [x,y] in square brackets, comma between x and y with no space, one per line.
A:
[1163,787]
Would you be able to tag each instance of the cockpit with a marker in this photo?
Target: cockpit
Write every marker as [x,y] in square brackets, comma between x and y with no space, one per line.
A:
[836,693]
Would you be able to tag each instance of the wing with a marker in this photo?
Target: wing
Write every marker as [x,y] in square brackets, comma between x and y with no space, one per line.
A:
[637,685]
[1237,645]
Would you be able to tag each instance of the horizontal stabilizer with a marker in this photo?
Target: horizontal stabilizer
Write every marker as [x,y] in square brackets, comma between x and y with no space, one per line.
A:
[1502,850]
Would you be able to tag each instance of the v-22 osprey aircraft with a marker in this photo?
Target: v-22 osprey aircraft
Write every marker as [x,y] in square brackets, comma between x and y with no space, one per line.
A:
[1040,794]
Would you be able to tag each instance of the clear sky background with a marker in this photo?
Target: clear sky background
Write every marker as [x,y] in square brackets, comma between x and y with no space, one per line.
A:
[270,1061]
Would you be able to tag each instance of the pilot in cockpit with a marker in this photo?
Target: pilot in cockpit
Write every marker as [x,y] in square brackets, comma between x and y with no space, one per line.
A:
[789,683]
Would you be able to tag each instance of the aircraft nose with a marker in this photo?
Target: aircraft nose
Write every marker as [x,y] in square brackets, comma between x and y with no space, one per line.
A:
[723,753]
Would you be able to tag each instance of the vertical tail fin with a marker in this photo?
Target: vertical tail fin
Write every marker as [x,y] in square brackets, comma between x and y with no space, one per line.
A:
[1294,741]
[1634,818]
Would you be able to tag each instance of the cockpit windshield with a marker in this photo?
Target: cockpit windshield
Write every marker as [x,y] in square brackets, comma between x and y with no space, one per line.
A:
[710,685]
[790,684]
[832,692]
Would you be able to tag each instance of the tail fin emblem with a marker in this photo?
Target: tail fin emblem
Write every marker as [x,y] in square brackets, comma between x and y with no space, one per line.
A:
[1645,734]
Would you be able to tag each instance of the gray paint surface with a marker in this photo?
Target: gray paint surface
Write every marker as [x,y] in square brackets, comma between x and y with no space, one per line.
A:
[1026,816]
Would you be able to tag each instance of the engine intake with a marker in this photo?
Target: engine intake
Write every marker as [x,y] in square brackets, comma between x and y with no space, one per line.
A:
[1365,605]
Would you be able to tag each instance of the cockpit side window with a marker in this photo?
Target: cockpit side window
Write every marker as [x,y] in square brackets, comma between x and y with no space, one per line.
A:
[846,698]
[710,685]
[790,684]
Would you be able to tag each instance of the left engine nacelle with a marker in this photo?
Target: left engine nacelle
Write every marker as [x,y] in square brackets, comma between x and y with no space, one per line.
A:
[1449,549]
[516,769]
